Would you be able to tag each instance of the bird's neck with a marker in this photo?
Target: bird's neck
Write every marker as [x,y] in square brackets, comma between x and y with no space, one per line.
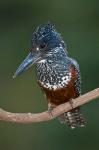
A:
[57,55]
[52,70]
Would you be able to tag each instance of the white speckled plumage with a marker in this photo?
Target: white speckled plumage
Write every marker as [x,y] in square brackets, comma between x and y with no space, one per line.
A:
[61,83]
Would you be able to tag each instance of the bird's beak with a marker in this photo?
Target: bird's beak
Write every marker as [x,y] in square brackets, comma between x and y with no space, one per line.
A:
[28,62]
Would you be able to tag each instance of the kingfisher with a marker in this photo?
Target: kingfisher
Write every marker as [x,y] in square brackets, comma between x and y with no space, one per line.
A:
[58,75]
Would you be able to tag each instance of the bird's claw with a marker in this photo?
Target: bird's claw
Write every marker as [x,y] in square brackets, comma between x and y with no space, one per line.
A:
[50,110]
[71,103]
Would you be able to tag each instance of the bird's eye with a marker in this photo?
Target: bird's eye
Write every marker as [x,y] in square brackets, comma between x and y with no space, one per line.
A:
[43,45]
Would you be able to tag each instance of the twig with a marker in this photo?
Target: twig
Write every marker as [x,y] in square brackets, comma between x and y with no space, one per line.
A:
[26,118]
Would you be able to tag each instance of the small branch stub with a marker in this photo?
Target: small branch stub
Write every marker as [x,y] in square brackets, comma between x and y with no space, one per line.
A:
[27,118]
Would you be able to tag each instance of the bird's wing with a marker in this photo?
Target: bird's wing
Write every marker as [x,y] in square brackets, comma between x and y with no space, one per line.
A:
[75,67]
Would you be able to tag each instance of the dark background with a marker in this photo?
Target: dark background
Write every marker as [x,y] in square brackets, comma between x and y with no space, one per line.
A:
[78,22]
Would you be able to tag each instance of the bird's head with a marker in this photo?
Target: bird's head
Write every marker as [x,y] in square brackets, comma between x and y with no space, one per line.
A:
[44,40]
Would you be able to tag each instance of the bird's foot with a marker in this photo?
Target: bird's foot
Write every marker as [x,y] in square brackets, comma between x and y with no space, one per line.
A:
[71,103]
[50,109]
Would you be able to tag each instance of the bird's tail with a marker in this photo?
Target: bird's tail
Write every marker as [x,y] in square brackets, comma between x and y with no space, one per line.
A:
[74,118]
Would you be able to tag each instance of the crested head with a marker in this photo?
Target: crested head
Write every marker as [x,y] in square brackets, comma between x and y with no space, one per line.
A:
[47,36]
[43,31]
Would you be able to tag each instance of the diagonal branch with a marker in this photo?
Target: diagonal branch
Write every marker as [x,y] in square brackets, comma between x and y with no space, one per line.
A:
[27,118]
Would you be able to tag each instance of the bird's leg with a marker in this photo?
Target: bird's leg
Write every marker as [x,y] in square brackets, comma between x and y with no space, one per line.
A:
[50,109]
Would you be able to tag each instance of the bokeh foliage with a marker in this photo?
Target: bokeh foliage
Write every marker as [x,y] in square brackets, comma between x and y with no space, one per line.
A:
[78,22]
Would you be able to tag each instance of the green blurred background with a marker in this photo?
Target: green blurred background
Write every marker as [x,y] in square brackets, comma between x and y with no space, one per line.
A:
[78,22]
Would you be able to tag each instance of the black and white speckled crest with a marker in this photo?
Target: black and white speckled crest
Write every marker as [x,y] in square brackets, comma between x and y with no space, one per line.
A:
[47,32]
[43,31]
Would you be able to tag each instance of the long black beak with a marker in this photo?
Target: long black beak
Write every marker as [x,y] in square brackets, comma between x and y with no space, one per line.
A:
[28,62]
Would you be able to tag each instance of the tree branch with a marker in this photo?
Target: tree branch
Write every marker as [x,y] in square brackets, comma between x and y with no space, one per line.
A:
[27,118]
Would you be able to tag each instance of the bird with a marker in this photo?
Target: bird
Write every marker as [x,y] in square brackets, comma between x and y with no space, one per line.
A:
[58,75]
